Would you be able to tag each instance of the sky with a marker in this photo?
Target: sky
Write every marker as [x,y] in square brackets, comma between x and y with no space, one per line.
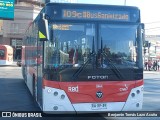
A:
[150,14]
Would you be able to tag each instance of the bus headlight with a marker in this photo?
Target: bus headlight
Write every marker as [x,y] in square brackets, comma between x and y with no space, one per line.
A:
[55,108]
[137,105]
[49,90]
[138,91]
[133,94]
[55,93]
[62,96]
[142,89]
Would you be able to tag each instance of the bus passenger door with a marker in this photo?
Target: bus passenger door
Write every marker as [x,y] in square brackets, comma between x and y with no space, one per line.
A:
[39,72]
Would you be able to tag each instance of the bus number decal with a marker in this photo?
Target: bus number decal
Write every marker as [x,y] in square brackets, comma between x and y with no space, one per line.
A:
[125,88]
[73,89]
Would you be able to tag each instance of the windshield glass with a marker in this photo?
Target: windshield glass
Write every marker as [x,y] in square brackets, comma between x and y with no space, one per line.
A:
[70,45]
[119,45]
[1,53]
[81,51]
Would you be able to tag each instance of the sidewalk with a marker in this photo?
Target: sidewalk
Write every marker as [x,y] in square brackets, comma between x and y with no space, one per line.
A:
[14,64]
[155,72]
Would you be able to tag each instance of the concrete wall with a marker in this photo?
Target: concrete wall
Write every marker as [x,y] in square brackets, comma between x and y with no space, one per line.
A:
[15,29]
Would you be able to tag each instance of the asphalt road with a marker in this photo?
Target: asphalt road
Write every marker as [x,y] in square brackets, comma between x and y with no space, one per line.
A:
[15,96]
[151,91]
[14,93]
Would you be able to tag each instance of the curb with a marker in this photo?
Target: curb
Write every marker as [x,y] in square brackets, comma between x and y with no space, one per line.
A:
[155,72]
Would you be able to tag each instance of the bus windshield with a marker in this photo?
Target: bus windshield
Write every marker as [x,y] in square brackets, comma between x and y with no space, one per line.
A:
[70,44]
[1,53]
[78,47]
[119,45]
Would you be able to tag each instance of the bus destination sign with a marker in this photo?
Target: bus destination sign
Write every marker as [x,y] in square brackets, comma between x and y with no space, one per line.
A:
[7,9]
[95,14]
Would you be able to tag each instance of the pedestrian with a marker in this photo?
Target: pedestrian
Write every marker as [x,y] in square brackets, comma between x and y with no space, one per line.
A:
[149,65]
[146,64]
[155,65]
[158,64]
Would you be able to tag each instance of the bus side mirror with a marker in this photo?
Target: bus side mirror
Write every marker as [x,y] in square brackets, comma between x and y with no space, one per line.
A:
[43,28]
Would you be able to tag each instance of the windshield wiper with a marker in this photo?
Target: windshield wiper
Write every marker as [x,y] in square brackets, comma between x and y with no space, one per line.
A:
[111,65]
[92,58]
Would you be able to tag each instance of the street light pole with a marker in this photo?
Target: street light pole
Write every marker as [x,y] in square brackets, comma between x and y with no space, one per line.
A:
[125,2]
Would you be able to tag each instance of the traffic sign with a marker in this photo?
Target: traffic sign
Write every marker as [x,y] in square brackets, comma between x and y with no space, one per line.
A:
[7,9]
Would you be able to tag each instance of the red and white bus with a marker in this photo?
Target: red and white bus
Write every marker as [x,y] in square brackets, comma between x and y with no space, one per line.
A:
[6,55]
[91,58]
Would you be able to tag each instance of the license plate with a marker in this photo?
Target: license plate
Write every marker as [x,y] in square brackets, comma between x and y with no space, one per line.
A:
[96,106]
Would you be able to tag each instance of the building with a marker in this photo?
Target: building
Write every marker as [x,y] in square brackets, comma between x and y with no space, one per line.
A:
[12,31]
[152,50]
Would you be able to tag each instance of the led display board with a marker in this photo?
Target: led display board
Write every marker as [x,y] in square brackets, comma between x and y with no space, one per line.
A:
[7,9]
[95,14]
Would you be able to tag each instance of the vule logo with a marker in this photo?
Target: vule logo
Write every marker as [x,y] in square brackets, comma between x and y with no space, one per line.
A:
[73,89]
[99,94]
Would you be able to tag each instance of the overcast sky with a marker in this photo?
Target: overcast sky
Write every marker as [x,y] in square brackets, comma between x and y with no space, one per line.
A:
[149,11]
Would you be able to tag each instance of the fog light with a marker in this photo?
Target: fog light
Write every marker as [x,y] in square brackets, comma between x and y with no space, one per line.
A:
[55,93]
[62,96]
[133,94]
[137,105]
[138,91]
[55,108]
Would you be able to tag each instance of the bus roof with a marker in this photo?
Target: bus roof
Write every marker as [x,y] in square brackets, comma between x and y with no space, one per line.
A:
[91,12]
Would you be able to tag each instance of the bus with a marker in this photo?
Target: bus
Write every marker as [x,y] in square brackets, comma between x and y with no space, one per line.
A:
[91,58]
[6,55]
